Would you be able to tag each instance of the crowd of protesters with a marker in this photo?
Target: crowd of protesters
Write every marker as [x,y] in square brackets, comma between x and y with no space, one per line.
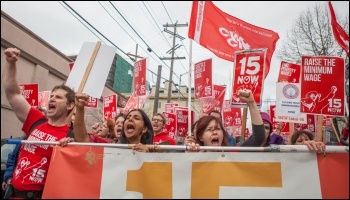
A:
[134,128]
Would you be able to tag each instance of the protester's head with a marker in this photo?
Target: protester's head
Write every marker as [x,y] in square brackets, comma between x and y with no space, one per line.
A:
[96,128]
[268,127]
[158,122]
[216,114]
[119,120]
[62,99]
[301,136]
[210,132]
[137,128]
[108,129]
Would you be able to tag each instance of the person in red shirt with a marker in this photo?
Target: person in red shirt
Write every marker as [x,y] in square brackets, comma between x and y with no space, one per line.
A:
[33,160]
[160,136]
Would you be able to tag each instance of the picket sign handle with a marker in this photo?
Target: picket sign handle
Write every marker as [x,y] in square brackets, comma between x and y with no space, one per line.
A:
[272,148]
[244,124]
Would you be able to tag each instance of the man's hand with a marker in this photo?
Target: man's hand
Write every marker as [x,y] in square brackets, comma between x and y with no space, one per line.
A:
[3,185]
[81,100]
[64,141]
[12,54]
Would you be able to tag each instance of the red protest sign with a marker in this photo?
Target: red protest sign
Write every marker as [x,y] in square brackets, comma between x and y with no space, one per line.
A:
[311,124]
[215,102]
[30,93]
[170,125]
[203,79]
[182,121]
[140,77]
[169,107]
[232,116]
[110,106]
[92,102]
[132,102]
[289,72]
[248,74]
[323,85]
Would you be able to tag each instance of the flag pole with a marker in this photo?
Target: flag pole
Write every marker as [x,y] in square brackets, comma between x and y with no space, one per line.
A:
[189,90]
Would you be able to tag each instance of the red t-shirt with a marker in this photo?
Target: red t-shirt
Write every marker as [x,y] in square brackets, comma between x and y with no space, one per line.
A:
[97,139]
[163,137]
[33,160]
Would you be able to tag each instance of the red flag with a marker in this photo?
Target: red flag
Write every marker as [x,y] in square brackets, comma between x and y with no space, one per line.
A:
[339,33]
[224,34]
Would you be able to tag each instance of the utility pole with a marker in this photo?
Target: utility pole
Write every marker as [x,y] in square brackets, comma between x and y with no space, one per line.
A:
[172,54]
[156,96]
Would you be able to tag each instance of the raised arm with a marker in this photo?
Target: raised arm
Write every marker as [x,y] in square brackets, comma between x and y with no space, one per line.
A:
[17,101]
[258,135]
[80,131]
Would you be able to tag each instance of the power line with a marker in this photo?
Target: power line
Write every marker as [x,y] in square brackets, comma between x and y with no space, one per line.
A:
[148,46]
[101,34]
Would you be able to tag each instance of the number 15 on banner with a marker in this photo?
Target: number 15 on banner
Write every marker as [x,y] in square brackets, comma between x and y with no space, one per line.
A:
[248,73]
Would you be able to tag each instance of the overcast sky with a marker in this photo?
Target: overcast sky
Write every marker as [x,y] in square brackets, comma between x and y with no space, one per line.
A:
[55,24]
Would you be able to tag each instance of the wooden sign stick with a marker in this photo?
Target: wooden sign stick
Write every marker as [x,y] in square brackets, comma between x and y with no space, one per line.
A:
[244,124]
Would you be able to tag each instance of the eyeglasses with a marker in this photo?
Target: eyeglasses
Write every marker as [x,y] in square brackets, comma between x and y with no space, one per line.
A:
[157,120]
[267,127]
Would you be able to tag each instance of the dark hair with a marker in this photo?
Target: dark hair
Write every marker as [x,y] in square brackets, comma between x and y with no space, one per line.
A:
[146,138]
[202,125]
[159,114]
[216,111]
[297,134]
[119,115]
[70,94]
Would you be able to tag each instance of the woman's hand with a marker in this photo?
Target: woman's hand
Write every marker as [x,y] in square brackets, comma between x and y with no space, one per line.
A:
[140,147]
[315,146]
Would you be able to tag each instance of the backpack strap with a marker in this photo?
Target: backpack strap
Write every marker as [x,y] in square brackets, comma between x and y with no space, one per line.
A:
[37,123]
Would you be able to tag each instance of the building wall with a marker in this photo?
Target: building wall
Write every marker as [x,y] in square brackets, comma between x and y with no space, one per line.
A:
[176,97]
[39,63]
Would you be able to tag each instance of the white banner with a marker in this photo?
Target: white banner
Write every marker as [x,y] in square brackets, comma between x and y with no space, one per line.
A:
[102,172]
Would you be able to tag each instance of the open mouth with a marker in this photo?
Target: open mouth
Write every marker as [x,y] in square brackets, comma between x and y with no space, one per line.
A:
[215,142]
[130,128]
[51,106]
